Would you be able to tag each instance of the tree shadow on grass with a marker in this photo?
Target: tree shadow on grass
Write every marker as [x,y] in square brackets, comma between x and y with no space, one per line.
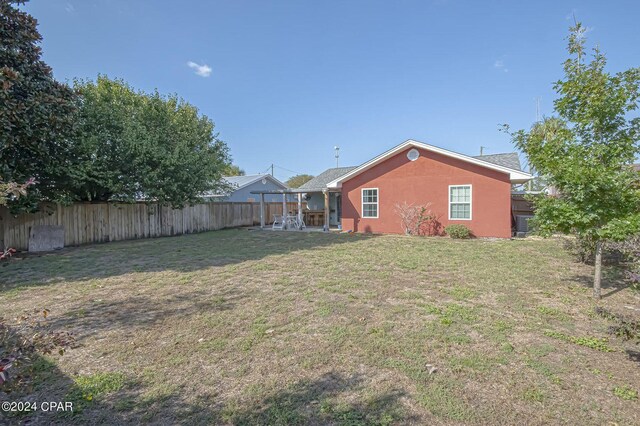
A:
[332,398]
[633,356]
[613,281]
[38,388]
[129,315]
[185,253]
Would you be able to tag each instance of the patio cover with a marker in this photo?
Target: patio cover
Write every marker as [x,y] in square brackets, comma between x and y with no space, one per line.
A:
[299,192]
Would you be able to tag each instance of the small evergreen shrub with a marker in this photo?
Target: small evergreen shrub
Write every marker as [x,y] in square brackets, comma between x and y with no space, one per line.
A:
[457,231]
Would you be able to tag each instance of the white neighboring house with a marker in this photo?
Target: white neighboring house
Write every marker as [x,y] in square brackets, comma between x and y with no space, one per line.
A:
[243,185]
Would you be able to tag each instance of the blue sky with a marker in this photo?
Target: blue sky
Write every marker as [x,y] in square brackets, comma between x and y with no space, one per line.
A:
[285,81]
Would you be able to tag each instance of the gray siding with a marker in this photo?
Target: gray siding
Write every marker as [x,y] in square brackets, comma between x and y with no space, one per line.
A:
[316,202]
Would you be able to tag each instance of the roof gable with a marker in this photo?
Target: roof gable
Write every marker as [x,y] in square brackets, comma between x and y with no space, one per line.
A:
[515,175]
[239,182]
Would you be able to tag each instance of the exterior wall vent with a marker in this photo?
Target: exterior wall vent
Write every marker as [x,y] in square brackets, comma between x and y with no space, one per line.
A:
[413,154]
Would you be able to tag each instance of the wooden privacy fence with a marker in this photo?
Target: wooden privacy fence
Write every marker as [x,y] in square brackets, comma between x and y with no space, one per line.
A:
[520,205]
[86,223]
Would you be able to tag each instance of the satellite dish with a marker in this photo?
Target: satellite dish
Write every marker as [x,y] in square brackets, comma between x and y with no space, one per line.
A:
[264,181]
[413,154]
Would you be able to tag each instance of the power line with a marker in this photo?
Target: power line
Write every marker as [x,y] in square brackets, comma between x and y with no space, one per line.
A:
[266,170]
[270,168]
[288,170]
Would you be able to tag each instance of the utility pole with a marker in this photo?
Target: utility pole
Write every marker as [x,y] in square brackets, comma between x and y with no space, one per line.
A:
[337,154]
[272,175]
[482,149]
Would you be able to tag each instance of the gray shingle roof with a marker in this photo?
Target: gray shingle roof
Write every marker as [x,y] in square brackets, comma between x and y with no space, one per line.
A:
[508,159]
[320,182]
[239,181]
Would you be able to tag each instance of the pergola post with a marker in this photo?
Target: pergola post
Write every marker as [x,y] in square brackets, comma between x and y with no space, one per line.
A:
[284,210]
[261,211]
[326,210]
[300,209]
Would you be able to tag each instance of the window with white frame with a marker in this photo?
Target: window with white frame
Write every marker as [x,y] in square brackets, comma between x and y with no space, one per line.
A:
[460,202]
[370,202]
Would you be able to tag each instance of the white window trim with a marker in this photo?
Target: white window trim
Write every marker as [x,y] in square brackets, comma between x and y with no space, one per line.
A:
[377,203]
[470,200]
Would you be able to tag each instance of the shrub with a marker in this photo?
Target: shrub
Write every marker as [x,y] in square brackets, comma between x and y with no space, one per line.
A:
[627,328]
[629,251]
[624,253]
[418,220]
[22,341]
[583,247]
[457,231]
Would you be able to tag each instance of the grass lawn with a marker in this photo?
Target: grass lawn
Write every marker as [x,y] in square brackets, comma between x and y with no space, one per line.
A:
[246,327]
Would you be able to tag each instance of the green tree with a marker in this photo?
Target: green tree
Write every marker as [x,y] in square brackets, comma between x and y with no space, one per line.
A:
[37,113]
[586,151]
[233,170]
[298,180]
[133,145]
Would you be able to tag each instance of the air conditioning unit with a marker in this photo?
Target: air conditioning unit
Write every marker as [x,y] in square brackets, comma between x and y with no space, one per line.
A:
[522,223]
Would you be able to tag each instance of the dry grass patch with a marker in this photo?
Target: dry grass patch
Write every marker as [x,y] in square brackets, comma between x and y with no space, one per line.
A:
[239,327]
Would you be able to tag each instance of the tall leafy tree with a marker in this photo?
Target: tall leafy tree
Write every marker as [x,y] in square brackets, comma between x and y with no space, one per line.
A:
[133,145]
[298,180]
[36,112]
[233,170]
[585,152]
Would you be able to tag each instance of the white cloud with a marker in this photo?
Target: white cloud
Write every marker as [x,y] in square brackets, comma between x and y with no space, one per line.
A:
[69,8]
[201,70]
[499,64]
[571,15]
[584,31]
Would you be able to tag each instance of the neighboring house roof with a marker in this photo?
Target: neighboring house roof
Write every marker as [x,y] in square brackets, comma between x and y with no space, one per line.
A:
[508,159]
[515,175]
[239,182]
[320,182]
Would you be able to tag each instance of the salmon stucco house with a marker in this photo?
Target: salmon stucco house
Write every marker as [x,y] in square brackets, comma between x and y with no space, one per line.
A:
[474,191]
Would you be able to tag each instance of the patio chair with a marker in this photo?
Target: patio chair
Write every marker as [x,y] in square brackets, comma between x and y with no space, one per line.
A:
[278,221]
[292,222]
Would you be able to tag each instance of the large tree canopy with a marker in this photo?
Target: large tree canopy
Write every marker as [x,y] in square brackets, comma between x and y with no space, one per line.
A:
[133,145]
[298,180]
[586,152]
[36,111]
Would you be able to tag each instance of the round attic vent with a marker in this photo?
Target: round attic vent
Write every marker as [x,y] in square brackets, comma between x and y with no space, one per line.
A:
[413,154]
[264,181]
